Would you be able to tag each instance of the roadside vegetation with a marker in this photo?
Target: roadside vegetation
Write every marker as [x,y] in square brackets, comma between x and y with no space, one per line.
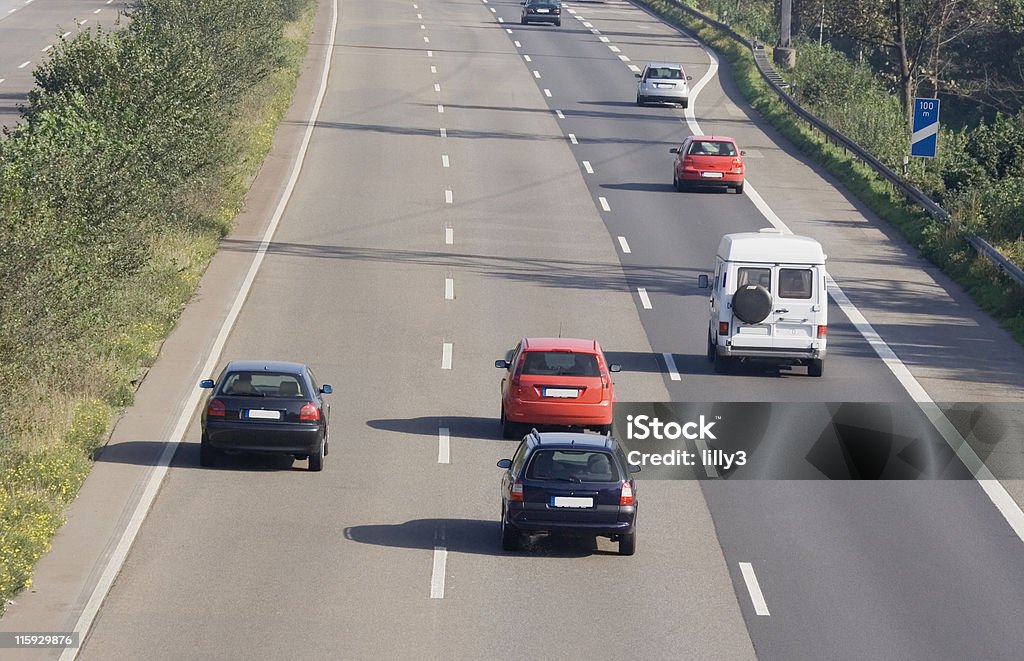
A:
[853,81]
[135,153]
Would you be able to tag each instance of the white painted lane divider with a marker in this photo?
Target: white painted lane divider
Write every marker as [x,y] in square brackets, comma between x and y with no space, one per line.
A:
[547,93]
[634,68]
[444,133]
[443,446]
[614,49]
[433,68]
[604,204]
[602,39]
[624,245]
[48,48]
[446,356]
[624,58]
[423,27]
[572,139]
[449,288]
[66,34]
[507,30]
[449,235]
[518,45]
[670,364]
[97,11]
[437,87]
[559,114]
[24,64]
[536,74]
[448,197]
[501,20]
[754,588]
[440,107]
[156,476]
[444,160]
[426,40]
[527,58]
[430,53]
[589,168]
[437,575]
[645,300]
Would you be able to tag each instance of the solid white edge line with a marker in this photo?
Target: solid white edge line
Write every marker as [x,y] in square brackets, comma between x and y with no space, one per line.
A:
[588,167]
[443,446]
[624,245]
[437,574]
[66,34]
[992,487]
[24,64]
[446,356]
[604,204]
[449,289]
[754,588]
[97,11]
[670,365]
[645,300]
[159,471]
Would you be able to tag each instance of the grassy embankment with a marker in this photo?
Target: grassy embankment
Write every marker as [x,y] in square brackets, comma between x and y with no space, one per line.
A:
[136,153]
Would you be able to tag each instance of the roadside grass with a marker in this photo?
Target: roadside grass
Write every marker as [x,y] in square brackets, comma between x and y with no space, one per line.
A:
[944,245]
[69,396]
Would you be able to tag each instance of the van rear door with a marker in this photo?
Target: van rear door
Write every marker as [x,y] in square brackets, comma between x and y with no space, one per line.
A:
[798,306]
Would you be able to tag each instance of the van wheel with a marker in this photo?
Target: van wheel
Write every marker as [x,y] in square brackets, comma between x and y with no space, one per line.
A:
[712,349]
[723,364]
[816,367]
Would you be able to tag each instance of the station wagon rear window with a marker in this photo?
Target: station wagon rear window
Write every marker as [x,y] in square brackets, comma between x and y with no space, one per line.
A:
[560,363]
[572,466]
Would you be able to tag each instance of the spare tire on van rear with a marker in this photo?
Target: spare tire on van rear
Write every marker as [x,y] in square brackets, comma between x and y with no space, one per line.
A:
[751,303]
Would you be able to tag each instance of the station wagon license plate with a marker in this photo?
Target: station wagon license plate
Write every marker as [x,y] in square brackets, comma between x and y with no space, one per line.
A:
[543,11]
[263,415]
[569,501]
[711,175]
[564,393]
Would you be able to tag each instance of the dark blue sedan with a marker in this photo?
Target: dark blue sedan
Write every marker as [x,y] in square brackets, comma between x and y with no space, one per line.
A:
[265,407]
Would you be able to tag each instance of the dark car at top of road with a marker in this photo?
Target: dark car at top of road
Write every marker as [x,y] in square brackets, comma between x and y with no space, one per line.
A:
[266,407]
[568,483]
[541,11]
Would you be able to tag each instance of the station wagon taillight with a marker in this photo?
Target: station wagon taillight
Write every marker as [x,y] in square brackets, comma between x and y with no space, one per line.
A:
[626,496]
[309,413]
[215,408]
[822,330]
[516,493]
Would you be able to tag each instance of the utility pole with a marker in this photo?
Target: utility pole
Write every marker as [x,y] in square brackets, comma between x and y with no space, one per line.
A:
[784,53]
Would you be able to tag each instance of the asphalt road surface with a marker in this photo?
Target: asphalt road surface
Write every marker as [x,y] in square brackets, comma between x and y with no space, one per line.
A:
[470,181]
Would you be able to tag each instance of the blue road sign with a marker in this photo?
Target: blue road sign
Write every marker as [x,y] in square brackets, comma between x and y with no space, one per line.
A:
[925,133]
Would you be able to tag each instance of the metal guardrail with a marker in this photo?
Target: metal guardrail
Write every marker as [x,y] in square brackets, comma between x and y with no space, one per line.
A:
[911,192]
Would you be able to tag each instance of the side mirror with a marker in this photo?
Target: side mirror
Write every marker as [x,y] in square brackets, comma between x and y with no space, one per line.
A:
[615,368]
[743,153]
[505,463]
[634,468]
[501,364]
[326,389]
[636,75]
[702,281]
[689,77]
[674,150]
[206,383]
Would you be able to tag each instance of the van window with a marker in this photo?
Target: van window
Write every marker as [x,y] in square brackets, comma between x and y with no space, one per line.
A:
[755,276]
[795,283]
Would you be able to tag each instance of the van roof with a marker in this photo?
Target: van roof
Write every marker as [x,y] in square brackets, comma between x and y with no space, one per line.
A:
[770,248]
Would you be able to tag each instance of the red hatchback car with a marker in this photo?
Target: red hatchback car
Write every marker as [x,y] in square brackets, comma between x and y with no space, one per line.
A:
[708,161]
[556,382]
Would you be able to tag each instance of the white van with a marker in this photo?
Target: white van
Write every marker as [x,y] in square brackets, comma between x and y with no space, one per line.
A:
[768,300]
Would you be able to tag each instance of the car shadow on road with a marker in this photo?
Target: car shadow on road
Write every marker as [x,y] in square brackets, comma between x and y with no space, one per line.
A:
[459,426]
[186,455]
[472,536]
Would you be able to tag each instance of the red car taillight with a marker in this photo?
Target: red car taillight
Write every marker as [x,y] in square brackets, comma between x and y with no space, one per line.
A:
[215,408]
[309,413]
[516,493]
[688,164]
[737,166]
[723,328]
[626,496]
[822,330]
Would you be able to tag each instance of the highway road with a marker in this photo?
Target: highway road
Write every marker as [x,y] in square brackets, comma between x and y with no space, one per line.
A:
[469,181]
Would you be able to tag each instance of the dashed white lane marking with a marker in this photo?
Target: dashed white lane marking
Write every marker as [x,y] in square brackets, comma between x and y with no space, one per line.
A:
[433,68]
[437,575]
[634,68]
[754,588]
[48,48]
[444,160]
[437,87]
[11,11]
[66,34]
[493,10]
[614,49]
[430,53]
[670,364]
[624,58]
[449,289]
[444,133]
[527,58]
[443,445]
[419,16]
[572,139]
[595,31]
[604,40]
[501,20]
[624,245]
[423,27]
[702,447]
[448,198]
[587,25]
[604,204]
[24,64]
[559,114]
[449,236]
[518,45]
[547,93]
[440,108]
[2,80]
[97,11]
[415,6]
[536,74]
[507,30]
[588,167]
[426,40]
[644,298]
[572,11]
[84,21]
[446,356]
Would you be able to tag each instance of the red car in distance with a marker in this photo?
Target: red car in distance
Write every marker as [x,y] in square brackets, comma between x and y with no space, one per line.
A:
[556,382]
[708,161]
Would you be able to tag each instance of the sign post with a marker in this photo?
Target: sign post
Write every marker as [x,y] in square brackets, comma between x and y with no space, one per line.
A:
[925,131]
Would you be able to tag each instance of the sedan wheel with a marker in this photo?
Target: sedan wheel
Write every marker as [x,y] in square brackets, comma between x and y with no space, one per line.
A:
[316,460]
[207,455]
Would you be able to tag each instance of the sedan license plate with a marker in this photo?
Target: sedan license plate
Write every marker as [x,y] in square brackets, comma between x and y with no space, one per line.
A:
[263,415]
[711,175]
[569,501]
[543,11]
[564,393]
